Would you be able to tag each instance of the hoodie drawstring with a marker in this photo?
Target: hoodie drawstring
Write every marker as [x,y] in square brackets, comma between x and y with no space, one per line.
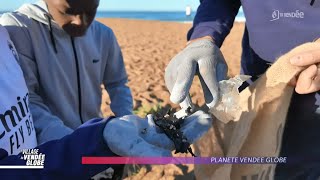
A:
[51,34]
[312,2]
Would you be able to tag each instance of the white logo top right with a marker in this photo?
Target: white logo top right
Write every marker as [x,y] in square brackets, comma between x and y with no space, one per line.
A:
[276,14]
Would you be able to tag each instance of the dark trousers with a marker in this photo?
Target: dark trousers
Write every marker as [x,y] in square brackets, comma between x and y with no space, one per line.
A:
[301,140]
[301,136]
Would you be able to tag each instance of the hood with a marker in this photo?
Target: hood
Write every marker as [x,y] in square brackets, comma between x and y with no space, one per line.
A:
[39,12]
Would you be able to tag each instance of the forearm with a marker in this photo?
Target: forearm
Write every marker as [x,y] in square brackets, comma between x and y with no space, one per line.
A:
[204,37]
[121,98]
[214,18]
[48,127]
[63,157]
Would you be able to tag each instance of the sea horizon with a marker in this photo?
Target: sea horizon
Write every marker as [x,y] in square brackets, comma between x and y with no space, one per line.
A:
[167,16]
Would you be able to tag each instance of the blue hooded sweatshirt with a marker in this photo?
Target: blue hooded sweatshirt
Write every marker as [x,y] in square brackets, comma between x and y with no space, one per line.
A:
[64,74]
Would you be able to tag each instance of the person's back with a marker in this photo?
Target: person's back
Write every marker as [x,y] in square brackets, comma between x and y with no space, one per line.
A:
[16,127]
[64,69]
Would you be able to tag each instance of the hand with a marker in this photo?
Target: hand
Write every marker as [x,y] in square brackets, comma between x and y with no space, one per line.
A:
[134,136]
[308,81]
[129,136]
[201,57]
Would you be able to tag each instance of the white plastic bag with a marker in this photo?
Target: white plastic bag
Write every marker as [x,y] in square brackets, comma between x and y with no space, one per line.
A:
[228,107]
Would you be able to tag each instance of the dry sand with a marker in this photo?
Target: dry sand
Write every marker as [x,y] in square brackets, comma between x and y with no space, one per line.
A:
[147,47]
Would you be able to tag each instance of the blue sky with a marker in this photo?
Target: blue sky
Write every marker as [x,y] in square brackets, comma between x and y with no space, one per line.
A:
[128,5]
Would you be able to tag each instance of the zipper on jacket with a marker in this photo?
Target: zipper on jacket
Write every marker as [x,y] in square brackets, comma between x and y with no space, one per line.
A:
[78,78]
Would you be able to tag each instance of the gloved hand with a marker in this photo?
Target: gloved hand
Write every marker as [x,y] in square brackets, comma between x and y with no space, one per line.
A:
[201,57]
[133,136]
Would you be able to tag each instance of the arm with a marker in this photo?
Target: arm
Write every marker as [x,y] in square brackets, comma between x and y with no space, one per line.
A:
[214,18]
[63,157]
[48,126]
[115,79]
[202,56]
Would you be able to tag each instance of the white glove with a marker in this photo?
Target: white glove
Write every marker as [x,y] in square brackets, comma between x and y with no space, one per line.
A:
[133,136]
[203,58]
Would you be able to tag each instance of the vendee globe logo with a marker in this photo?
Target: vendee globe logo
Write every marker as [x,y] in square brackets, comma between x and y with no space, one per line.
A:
[33,158]
[277,14]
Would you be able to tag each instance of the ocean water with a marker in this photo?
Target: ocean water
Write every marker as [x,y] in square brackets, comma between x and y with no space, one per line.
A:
[178,16]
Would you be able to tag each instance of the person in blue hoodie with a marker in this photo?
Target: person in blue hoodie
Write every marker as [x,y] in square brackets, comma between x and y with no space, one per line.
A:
[108,137]
[272,29]
[65,56]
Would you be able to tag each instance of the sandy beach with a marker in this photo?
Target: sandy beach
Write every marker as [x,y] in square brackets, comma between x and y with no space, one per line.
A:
[147,47]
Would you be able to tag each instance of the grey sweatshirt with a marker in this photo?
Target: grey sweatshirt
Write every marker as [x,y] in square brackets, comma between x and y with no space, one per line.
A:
[64,75]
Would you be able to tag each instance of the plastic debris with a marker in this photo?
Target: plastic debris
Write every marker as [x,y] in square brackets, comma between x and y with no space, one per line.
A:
[228,107]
